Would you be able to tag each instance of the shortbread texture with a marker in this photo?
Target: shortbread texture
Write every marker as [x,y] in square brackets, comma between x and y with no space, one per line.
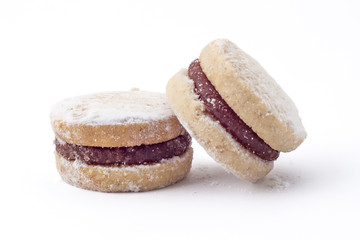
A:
[118,119]
[115,119]
[218,143]
[135,178]
[253,94]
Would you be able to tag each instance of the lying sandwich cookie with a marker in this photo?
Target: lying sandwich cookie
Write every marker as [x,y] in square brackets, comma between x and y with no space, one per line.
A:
[235,110]
[120,142]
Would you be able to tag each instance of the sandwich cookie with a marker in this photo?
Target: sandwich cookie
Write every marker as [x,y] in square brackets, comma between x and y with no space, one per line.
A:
[235,110]
[120,142]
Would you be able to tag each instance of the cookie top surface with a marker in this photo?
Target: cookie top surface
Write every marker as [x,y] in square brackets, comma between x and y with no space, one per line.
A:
[112,108]
[253,94]
[115,119]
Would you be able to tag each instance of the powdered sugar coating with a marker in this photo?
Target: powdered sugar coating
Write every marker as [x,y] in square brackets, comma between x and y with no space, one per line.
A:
[215,152]
[264,87]
[112,108]
[253,94]
[115,119]
[210,134]
[125,178]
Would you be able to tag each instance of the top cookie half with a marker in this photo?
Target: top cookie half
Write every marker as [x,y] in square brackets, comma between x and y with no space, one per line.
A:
[115,119]
[253,95]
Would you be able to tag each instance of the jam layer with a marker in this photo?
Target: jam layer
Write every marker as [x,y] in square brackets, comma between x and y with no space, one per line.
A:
[116,156]
[216,106]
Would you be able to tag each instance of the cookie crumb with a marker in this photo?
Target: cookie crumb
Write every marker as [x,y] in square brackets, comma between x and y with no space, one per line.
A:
[279,182]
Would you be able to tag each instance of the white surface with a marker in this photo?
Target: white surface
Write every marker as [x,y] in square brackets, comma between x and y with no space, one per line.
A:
[50,50]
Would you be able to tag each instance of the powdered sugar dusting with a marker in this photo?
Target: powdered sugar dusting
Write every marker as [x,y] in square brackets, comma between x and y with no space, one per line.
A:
[247,156]
[259,166]
[112,108]
[125,178]
[278,182]
[263,85]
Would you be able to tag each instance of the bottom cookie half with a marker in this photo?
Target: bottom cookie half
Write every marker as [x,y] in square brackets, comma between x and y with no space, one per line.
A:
[134,178]
[218,143]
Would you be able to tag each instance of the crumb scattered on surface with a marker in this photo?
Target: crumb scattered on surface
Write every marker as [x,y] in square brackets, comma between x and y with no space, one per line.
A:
[279,182]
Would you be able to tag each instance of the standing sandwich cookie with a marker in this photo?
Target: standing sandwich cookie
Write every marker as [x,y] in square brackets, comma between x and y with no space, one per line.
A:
[235,110]
[120,142]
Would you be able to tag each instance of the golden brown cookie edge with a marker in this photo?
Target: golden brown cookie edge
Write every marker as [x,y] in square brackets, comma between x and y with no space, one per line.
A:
[210,134]
[135,178]
[120,135]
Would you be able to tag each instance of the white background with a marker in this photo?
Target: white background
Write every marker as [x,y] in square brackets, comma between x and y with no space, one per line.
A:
[50,50]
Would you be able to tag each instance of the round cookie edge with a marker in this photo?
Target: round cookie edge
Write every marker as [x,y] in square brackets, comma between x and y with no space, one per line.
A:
[111,132]
[136,178]
[124,135]
[219,144]
[283,129]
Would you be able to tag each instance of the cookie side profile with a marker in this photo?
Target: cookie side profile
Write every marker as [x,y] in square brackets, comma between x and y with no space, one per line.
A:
[114,119]
[253,94]
[210,134]
[136,178]
[235,110]
[107,147]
